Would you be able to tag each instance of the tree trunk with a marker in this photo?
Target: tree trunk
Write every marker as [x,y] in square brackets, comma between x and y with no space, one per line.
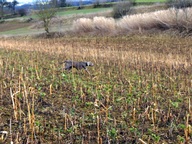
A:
[1,11]
[46,26]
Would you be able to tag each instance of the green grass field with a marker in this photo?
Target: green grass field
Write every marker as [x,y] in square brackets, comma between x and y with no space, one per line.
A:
[150,1]
[83,11]
[16,31]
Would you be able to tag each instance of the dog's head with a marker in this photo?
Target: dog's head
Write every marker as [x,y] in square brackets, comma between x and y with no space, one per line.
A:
[89,64]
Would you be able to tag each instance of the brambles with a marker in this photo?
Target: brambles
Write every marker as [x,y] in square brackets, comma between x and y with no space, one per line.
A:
[140,90]
[22,12]
[122,8]
[179,3]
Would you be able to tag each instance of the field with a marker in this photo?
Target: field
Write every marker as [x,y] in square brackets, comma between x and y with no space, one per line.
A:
[139,90]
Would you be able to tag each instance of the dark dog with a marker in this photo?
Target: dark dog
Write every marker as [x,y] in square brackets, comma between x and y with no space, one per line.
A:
[78,65]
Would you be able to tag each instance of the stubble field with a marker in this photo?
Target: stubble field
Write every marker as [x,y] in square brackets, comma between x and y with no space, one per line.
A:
[139,90]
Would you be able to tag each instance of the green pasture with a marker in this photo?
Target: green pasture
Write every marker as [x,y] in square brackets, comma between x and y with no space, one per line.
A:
[82,11]
[16,31]
[150,1]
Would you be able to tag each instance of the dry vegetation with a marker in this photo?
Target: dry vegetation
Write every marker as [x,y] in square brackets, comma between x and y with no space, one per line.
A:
[177,19]
[139,92]
[64,22]
[140,89]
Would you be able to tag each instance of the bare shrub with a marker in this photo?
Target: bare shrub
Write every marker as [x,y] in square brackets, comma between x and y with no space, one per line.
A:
[83,25]
[22,12]
[164,18]
[178,19]
[100,24]
[136,22]
[103,24]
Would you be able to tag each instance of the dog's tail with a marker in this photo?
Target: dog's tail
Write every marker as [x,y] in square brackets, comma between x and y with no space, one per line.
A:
[68,61]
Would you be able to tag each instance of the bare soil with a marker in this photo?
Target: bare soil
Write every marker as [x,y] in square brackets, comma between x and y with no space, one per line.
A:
[7,26]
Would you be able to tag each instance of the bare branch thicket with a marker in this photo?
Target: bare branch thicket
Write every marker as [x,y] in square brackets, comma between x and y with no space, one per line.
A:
[181,14]
[122,8]
[179,3]
[182,18]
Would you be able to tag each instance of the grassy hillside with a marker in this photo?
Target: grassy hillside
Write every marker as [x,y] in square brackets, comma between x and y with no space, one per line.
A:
[139,90]
[83,11]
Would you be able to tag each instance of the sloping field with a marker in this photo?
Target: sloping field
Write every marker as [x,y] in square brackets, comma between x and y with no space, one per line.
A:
[60,23]
[139,90]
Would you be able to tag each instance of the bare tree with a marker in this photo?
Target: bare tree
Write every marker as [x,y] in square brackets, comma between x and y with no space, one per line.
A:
[3,3]
[46,11]
[11,5]
[54,2]
[63,3]
[14,3]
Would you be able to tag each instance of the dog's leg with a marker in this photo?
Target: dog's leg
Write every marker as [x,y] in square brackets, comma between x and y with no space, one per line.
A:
[68,68]
[87,71]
